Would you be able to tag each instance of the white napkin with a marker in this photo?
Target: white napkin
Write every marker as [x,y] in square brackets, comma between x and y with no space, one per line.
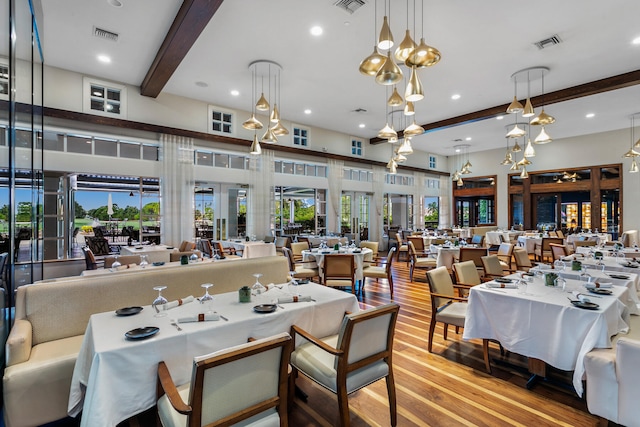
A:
[294,298]
[580,297]
[501,285]
[176,303]
[603,285]
[202,317]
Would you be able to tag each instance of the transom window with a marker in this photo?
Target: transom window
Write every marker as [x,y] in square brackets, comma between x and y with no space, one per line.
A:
[4,80]
[300,137]
[356,147]
[220,121]
[432,162]
[104,98]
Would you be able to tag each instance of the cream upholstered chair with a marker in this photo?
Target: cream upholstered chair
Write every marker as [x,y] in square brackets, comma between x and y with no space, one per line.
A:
[223,388]
[380,272]
[403,248]
[282,242]
[369,259]
[558,252]
[542,251]
[301,271]
[521,257]
[186,245]
[492,266]
[505,254]
[446,307]
[473,254]
[122,259]
[466,276]
[339,270]
[357,356]
[418,244]
[297,248]
[422,263]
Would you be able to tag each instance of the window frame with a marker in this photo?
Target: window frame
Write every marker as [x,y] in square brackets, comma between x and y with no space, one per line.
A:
[87,82]
[232,123]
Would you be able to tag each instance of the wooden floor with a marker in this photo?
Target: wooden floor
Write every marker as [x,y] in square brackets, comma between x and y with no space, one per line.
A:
[448,387]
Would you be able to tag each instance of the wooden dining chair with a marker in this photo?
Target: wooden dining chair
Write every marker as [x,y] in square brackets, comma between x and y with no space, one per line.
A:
[403,248]
[466,275]
[505,255]
[359,355]
[222,253]
[369,258]
[558,252]
[492,267]
[420,263]
[542,251]
[339,270]
[522,260]
[223,391]
[301,271]
[380,271]
[418,244]
[297,248]
[89,259]
[473,254]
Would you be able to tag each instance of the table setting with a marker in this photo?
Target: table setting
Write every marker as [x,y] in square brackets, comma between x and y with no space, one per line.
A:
[548,317]
[115,374]
[315,257]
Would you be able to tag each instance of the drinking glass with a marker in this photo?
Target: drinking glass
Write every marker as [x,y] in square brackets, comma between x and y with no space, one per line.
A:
[115,264]
[143,261]
[294,283]
[559,265]
[257,287]
[207,299]
[160,300]
[560,284]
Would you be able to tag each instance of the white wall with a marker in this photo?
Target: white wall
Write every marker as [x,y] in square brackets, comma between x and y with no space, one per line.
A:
[587,150]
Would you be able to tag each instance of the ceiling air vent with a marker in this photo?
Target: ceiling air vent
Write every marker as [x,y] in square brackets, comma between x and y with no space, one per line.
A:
[104,34]
[350,6]
[553,40]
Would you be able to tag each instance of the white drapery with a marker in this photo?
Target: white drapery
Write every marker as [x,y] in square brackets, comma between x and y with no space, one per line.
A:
[419,194]
[336,173]
[177,183]
[445,214]
[261,194]
[376,221]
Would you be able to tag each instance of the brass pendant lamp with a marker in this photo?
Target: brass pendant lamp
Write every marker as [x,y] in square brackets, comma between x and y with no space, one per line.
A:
[406,148]
[389,73]
[413,129]
[543,118]
[408,109]
[385,40]
[407,45]
[414,91]
[515,106]
[395,100]
[543,137]
[372,63]
[255,146]
[252,123]
[423,55]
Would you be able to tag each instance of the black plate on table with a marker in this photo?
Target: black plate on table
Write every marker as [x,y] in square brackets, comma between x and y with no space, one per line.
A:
[600,291]
[326,252]
[629,265]
[618,276]
[302,281]
[128,311]
[141,333]
[138,247]
[586,305]
[158,263]
[265,308]
[503,280]
[170,247]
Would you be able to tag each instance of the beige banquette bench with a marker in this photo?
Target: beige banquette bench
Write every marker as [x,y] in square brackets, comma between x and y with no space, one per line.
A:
[51,318]
[613,378]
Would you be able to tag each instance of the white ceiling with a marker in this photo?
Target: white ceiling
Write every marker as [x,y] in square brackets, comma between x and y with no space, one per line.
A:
[482,44]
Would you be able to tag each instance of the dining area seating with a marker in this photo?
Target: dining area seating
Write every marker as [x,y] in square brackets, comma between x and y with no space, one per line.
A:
[339,270]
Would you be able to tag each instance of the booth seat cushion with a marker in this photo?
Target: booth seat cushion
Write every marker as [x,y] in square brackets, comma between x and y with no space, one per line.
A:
[47,377]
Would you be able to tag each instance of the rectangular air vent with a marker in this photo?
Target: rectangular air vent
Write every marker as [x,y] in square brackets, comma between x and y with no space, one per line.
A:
[349,6]
[553,40]
[104,34]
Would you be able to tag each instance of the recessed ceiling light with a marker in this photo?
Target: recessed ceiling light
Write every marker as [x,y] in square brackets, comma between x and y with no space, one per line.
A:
[361,125]
[316,30]
[468,138]
[307,111]
[202,84]
[499,117]
[455,96]
[104,58]
[590,115]
[235,92]
[458,150]
[636,40]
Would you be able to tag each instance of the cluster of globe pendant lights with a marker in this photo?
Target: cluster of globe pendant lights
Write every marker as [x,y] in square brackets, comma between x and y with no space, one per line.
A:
[275,128]
[543,119]
[386,71]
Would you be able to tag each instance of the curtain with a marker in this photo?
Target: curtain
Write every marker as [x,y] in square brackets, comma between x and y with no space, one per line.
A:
[177,183]
[419,194]
[336,172]
[377,221]
[261,194]
[445,212]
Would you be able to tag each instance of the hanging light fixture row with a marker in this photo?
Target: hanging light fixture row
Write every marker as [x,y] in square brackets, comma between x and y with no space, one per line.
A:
[271,71]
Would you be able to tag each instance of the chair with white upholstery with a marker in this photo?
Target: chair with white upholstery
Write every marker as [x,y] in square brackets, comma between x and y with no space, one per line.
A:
[223,391]
[403,248]
[380,271]
[521,257]
[301,271]
[357,356]
[492,267]
[369,258]
[421,263]
[297,248]
[339,270]
[505,255]
[466,275]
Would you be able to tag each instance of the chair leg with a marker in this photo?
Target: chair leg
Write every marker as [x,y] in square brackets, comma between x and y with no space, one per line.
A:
[292,387]
[390,280]
[411,273]
[432,328]
[446,329]
[391,390]
[485,352]
[343,406]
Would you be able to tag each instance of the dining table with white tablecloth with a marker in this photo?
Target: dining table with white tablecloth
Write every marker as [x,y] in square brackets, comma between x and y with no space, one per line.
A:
[154,253]
[315,258]
[251,248]
[115,378]
[544,324]
[599,238]
[529,242]
[496,237]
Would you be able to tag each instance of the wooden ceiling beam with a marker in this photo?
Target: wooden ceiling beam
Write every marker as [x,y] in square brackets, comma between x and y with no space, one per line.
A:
[620,81]
[191,20]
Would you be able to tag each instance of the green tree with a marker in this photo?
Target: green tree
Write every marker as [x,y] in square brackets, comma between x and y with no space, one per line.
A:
[79,210]
[4,212]
[23,212]
[151,209]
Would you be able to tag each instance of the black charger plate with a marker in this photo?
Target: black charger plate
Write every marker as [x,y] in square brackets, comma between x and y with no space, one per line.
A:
[142,333]
[128,311]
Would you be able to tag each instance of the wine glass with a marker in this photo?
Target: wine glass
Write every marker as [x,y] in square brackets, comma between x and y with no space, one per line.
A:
[115,264]
[257,287]
[207,299]
[143,261]
[160,300]
[293,283]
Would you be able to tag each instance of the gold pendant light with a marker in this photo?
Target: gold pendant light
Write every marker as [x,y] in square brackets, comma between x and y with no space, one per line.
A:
[516,132]
[392,166]
[262,104]
[413,129]
[255,146]
[252,123]
[414,91]
[508,158]
[275,114]
[460,182]
[279,129]
[399,157]
[515,106]
[405,148]
[514,167]
[395,100]
[423,56]
[516,147]
[409,111]
[269,137]
[529,151]
[387,132]
[524,174]
[372,63]
[524,162]
[543,137]
[528,109]
[542,119]
[389,73]
[456,176]
[385,41]
[406,46]
[634,166]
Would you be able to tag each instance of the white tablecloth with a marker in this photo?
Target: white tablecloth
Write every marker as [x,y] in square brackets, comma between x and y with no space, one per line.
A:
[493,237]
[601,238]
[544,325]
[114,378]
[318,257]
[445,256]
[155,253]
[529,243]
[251,249]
